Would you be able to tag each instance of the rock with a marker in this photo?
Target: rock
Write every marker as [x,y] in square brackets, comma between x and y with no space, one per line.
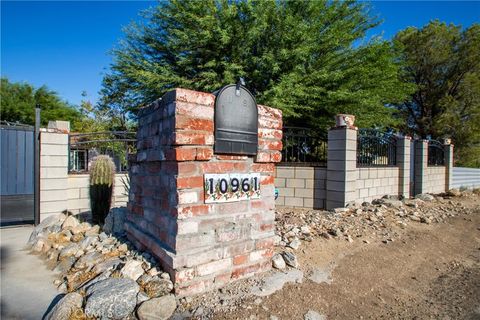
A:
[158,287]
[89,260]
[313,315]
[132,269]
[276,240]
[107,265]
[64,308]
[278,262]
[142,297]
[276,282]
[340,210]
[70,222]
[69,250]
[82,227]
[290,259]
[153,272]
[113,298]
[393,203]
[122,248]
[87,242]
[165,275]
[115,220]
[454,193]
[93,231]
[65,264]
[40,244]
[295,244]
[51,221]
[425,197]
[157,308]
[425,220]
[305,230]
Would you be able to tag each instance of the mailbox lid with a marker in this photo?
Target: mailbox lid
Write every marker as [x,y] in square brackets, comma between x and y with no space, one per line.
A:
[236,121]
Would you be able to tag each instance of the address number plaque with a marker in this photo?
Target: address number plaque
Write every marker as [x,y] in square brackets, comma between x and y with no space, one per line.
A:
[231,187]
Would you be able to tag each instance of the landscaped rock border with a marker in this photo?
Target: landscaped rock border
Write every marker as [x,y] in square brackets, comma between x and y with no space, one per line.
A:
[100,273]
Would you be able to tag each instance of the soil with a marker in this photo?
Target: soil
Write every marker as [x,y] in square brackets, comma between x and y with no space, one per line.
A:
[429,271]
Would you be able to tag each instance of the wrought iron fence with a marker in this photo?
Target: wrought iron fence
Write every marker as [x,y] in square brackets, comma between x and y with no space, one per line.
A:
[83,147]
[436,153]
[376,148]
[304,145]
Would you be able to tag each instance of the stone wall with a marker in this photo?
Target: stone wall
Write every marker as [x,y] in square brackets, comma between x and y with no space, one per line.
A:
[202,246]
[301,186]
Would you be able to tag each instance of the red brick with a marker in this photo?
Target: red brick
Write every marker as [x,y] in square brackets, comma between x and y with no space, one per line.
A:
[267,227]
[263,167]
[181,154]
[241,259]
[230,157]
[189,138]
[222,279]
[264,243]
[262,156]
[204,154]
[182,122]
[154,167]
[245,271]
[269,123]
[184,275]
[276,156]
[196,97]
[270,144]
[194,110]
[267,179]
[217,167]
[190,182]
[194,210]
[185,168]
[269,112]
[270,134]
[194,288]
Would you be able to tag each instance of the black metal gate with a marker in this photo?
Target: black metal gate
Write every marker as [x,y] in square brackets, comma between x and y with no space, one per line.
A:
[17,173]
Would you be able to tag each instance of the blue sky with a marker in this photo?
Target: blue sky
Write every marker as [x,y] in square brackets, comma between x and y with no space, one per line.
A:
[65,44]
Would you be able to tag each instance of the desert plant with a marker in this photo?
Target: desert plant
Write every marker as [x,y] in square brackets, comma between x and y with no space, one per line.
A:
[102,176]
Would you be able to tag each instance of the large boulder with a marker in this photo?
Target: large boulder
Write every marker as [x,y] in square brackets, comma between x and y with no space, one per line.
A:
[89,260]
[158,287]
[425,197]
[115,220]
[157,308]
[65,307]
[70,222]
[113,298]
[54,221]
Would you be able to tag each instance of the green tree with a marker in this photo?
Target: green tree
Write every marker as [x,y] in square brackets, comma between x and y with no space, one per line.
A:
[18,101]
[308,58]
[443,62]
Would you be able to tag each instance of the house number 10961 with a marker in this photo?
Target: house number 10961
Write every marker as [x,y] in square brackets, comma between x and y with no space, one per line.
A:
[231,187]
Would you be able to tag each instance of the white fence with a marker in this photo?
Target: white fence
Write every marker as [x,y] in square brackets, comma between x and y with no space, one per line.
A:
[465,177]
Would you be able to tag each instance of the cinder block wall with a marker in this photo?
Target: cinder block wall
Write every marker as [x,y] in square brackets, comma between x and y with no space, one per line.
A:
[202,246]
[374,183]
[78,192]
[53,172]
[435,179]
[301,186]
[60,191]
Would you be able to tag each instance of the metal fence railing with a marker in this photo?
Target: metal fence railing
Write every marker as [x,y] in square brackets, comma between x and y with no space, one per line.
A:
[436,153]
[83,147]
[376,148]
[304,145]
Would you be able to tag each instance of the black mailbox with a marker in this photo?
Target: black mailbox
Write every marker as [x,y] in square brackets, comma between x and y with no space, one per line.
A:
[236,121]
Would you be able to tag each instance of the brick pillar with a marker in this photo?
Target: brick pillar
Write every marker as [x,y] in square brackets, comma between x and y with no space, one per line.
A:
[403,163]
[448,165]
[203,246]
[342,173]
[53,168]
[420,166]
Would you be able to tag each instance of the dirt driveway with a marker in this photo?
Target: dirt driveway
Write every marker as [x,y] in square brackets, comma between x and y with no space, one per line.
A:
[432,271]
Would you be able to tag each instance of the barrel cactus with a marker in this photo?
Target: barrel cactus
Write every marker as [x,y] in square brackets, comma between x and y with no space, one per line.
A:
[102,176]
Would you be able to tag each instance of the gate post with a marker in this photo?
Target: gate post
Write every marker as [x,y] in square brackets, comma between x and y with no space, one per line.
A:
[403,163]
[342,173]
[420,166]
[448,147]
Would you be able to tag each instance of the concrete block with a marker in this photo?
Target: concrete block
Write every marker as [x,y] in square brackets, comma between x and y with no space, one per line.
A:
[54,161]
[320,173]
[293,202]
[296,183]
[309,183]
[54,184]
[363,193]
[54,138]
[308,203]
[280,182]
[303,193]
[285,172]
[280,201]
[47,173]
[53,149]
[304,173]
[286,192]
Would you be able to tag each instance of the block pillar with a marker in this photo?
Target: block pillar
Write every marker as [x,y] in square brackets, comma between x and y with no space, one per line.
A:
[53,168]
[202,245]
[448,165]
[342,173]
[420,166]
[403,163]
